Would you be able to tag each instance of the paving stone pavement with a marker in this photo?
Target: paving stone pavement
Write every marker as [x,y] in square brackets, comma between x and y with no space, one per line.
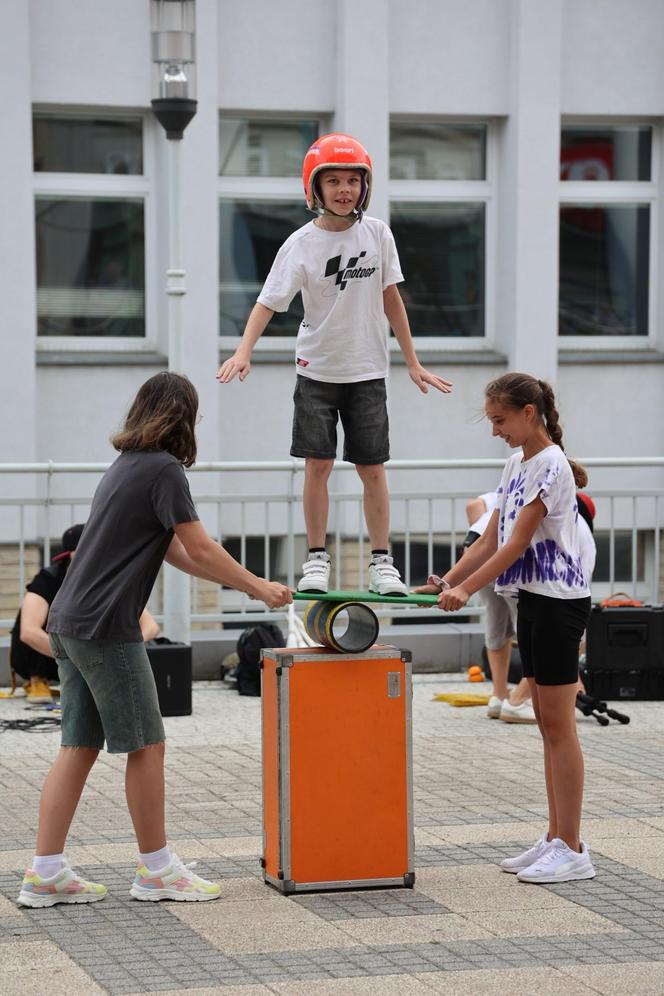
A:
[466,928]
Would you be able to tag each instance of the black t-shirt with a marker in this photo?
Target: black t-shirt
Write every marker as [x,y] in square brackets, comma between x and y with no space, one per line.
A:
[138,501]
[27,661]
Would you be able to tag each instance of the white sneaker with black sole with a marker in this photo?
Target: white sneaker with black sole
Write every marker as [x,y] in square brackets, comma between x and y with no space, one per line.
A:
[384,578]
[315,578]
[527,858]
[559,864]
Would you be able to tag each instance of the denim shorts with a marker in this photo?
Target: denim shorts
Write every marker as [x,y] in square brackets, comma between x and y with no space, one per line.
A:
[362,408]
[108,693]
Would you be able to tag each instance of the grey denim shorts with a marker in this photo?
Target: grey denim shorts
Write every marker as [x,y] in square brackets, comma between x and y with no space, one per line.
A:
[107,693]
[362,408]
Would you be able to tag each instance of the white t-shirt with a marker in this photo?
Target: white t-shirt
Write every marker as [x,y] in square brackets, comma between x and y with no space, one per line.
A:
[490,499]
[342,276]
[552,564]
[588,548]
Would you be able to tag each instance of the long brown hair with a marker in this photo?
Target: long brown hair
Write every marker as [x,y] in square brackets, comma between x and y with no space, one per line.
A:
[516,390]
[162,416]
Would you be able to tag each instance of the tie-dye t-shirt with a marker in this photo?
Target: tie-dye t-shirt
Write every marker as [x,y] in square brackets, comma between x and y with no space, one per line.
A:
[552,564]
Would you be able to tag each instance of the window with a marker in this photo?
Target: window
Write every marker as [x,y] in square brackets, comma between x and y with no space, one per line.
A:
[91,197]
[261,204]
[441,214]
[263,147]
[250,234]
[437,151]
[90,267]
[628,564]
[442,252]
[87,145]
[606,223]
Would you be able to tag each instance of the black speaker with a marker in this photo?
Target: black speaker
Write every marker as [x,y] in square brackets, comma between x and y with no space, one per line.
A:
[171,666]
[625,652]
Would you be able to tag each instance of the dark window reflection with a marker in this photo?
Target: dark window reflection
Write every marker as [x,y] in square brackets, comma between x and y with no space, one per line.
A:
[442,252]
[90,267]
[419,558]
[604,254]
[602,154]
[250,234]
[254,558]
[87,145]
[622,564]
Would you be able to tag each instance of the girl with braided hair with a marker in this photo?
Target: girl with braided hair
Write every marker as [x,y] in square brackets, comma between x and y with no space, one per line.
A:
[531,548]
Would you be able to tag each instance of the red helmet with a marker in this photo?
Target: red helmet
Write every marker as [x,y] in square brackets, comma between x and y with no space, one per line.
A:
[335,152]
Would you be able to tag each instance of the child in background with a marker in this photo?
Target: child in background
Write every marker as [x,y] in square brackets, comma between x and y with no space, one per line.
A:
[31,655]
[532,548]
[345,264]
[499,612]
[141,514]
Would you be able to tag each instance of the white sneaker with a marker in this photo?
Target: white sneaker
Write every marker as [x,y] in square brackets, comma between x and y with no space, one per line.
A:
[384,578]
[523,713]
[315,574]
[494,707]
[525,860]
[559,863]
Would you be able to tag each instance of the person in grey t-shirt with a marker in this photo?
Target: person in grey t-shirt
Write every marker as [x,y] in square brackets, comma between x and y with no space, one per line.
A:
[142,514]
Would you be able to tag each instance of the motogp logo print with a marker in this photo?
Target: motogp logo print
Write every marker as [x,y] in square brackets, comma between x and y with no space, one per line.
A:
[351,271]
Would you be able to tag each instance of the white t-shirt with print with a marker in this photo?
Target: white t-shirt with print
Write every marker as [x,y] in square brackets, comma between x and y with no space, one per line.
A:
[551,565]
[342,276]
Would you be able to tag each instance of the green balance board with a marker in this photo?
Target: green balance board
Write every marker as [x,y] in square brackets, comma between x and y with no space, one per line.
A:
[365,596]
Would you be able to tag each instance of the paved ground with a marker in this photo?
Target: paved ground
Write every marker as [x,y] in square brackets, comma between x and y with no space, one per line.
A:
[466,928]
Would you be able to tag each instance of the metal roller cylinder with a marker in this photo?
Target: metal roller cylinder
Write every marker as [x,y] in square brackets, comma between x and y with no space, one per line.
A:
[348,627]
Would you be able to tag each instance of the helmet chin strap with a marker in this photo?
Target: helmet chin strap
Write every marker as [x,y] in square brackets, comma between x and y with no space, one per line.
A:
[320,210]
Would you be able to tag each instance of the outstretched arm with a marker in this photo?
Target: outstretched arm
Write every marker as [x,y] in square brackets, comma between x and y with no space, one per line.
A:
[240,362]
[396,315]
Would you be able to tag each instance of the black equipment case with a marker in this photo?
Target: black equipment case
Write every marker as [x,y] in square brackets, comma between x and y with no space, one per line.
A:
[625,652]
[171,666]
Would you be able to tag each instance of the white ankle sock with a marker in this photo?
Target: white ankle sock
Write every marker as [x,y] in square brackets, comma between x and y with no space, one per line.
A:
[47,865]
[156,860]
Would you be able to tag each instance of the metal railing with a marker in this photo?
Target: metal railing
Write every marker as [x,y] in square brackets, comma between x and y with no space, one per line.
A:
[421,518]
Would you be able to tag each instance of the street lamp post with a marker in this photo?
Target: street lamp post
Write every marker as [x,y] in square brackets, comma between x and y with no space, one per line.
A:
[173,30]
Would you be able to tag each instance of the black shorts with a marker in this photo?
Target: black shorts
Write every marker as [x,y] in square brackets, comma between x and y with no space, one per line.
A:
[362,408]
[549,631]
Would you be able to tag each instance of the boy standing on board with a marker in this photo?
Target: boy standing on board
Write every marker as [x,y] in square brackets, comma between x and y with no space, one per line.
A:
[346,266]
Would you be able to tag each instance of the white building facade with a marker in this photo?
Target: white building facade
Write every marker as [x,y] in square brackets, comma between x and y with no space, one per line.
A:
[518,155]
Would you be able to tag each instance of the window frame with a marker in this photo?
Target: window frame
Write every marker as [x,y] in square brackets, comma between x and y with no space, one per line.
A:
[611,193]
[459,191]
[103,186]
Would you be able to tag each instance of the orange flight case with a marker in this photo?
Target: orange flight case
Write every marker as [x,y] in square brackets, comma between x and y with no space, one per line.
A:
[337,769]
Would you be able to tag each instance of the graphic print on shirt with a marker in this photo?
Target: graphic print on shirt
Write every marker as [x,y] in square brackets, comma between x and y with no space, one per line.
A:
[350,271]
[544,560]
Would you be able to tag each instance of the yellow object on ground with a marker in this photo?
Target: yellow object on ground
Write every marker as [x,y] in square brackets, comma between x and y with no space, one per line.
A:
[461,699]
